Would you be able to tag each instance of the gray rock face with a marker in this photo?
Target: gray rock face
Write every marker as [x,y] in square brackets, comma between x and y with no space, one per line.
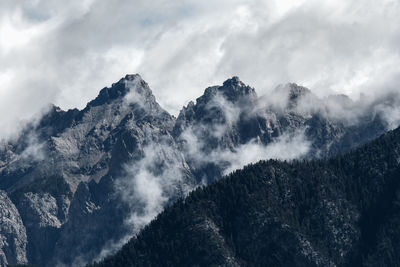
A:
[13,238]
[84,181]
[40,210]
[291,115]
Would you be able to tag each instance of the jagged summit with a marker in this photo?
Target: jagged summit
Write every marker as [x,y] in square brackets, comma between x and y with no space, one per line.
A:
[67,175]
[233,89]
[132,77]
[296,91]
[210,107]
[235,80]
[131,83]
[292,93]
[131,89]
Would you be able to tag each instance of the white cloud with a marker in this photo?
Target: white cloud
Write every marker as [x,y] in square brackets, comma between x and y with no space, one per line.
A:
[150,182]
[34,149]
[147,186]
[64,52]
[288,146]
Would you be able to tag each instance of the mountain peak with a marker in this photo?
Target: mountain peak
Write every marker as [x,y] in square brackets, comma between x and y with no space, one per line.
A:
[235,81]
[131,83]
[296,91]
[292,93]
[233,89]
[131,77]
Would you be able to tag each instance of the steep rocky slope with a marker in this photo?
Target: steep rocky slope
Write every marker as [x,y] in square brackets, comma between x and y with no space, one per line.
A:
[338,212]
[13,239]
[84,181]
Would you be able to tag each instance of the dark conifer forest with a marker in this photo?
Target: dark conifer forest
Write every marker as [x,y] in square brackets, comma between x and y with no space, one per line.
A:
[343,211]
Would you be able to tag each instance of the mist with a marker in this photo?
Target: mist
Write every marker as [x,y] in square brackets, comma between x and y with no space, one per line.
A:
[331,47]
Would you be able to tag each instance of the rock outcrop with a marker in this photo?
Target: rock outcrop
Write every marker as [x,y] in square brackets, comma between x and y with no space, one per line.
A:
[13,240]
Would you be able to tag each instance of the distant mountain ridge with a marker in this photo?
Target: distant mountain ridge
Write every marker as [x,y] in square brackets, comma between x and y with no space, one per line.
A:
[79,178]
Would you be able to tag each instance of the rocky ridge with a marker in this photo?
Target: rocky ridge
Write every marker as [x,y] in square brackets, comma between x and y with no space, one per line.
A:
[78,178]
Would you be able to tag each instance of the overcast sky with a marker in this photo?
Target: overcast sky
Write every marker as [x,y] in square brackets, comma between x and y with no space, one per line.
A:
[64,52]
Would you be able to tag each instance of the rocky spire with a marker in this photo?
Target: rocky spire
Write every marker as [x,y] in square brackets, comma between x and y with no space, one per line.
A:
[296,91]
[120,89]
[233,89]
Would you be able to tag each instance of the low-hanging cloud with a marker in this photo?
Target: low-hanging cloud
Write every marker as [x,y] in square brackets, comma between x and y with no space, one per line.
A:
[151,181]
[337,107]
[147,186]
[35,150]
[288,146]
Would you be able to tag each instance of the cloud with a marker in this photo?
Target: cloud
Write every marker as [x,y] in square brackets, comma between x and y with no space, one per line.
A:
[230,113]
[337,107]
[34,149]
[288,146]
[147,186]
[389,110]
[135,95]
[150,182]
[65,52]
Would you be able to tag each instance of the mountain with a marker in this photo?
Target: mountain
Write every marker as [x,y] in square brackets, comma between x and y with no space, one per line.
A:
[79,183]
[343,211]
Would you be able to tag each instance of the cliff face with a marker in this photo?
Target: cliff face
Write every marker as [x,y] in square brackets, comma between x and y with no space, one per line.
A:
[13,239]
[83,181]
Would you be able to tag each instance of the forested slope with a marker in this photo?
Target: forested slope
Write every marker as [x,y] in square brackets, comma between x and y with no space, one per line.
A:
[343,211]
